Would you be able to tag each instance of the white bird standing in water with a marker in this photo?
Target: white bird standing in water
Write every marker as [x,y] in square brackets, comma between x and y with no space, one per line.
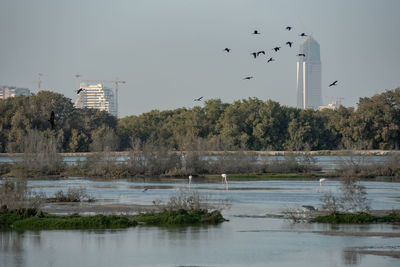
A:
[190,179]
[224,180]
[321,181]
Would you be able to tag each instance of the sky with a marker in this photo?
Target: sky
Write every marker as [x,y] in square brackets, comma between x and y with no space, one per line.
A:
[171,51]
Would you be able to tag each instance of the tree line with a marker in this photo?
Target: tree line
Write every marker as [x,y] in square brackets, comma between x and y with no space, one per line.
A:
[248,124]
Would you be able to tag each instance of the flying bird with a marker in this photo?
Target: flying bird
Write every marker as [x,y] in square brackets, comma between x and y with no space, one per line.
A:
[270,59]
[256,32]
[248,78]
[254,54]
[198,99]
[79,90]
[276,48]
[227,50]
[289,43]
[301,55]
[260,52]
[288,28]
[333,84]
[303,34]
[51,120]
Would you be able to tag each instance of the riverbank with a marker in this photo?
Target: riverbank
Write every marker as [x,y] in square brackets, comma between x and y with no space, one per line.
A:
[247,152]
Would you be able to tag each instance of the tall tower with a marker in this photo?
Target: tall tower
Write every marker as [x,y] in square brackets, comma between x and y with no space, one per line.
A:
[309,91]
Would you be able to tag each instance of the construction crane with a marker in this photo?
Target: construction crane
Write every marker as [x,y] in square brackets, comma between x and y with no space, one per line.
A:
[116,83]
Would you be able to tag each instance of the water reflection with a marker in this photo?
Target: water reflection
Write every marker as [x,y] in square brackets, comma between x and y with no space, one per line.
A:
[351,257]
[11,250]
[250,237]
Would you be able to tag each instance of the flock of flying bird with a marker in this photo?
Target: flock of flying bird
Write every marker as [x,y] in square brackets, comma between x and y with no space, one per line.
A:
[270,59]
[228,50]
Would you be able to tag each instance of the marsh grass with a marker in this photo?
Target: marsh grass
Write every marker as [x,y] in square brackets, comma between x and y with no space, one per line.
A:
[40,156]
[15,194]
[35,219]
[72,195]
[357,218]
[362,166]
[183,208]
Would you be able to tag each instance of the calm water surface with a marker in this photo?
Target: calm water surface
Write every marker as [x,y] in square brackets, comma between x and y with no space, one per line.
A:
[249,238]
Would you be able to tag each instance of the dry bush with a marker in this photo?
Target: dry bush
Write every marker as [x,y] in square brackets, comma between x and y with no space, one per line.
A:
[352,197]
[390,166]
[192,201]
[15,194]
[287,165]
[152,158]
[307,162]
[73,195]
[40,156]
[365,166]
[297,215]
[236,162]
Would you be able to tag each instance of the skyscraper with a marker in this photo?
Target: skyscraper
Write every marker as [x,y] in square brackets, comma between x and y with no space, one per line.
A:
[96,96]
[309,91]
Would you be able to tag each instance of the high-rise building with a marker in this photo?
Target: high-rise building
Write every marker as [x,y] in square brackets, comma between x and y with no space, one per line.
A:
[96,96]
[12,91]
[309,91]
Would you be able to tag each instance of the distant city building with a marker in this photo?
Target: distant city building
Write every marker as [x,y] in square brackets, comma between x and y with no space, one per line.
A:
[98,97]
[334,105]
[12,91]
[309,91]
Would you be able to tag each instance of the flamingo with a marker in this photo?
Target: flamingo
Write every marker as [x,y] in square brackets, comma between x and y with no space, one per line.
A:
[224,176]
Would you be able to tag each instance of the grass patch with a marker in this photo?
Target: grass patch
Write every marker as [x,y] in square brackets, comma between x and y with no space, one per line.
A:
[181,217]
[357,218]
[34,219]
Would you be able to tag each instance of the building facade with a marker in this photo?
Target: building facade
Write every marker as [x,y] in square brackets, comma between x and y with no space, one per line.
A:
[12,91]
[309,91]
[98,97]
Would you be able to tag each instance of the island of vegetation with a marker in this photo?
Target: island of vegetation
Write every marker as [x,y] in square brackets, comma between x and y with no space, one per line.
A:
[20,210]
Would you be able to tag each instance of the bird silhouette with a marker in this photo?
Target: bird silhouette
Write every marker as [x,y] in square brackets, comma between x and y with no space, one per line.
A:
[270,59]
[260,52]
[145,189]
[276,48]
[248,78]
[288,28]
[333,84]
[51,120]
[301,55]
[303,34]
[227,50]
[79,90]
[254,54]
[256,32]
[289,43]
[198,99]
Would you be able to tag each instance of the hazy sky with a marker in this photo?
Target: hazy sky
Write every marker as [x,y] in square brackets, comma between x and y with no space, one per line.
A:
[171,51]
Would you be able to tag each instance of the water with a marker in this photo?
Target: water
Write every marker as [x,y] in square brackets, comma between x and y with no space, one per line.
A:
[249,238]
